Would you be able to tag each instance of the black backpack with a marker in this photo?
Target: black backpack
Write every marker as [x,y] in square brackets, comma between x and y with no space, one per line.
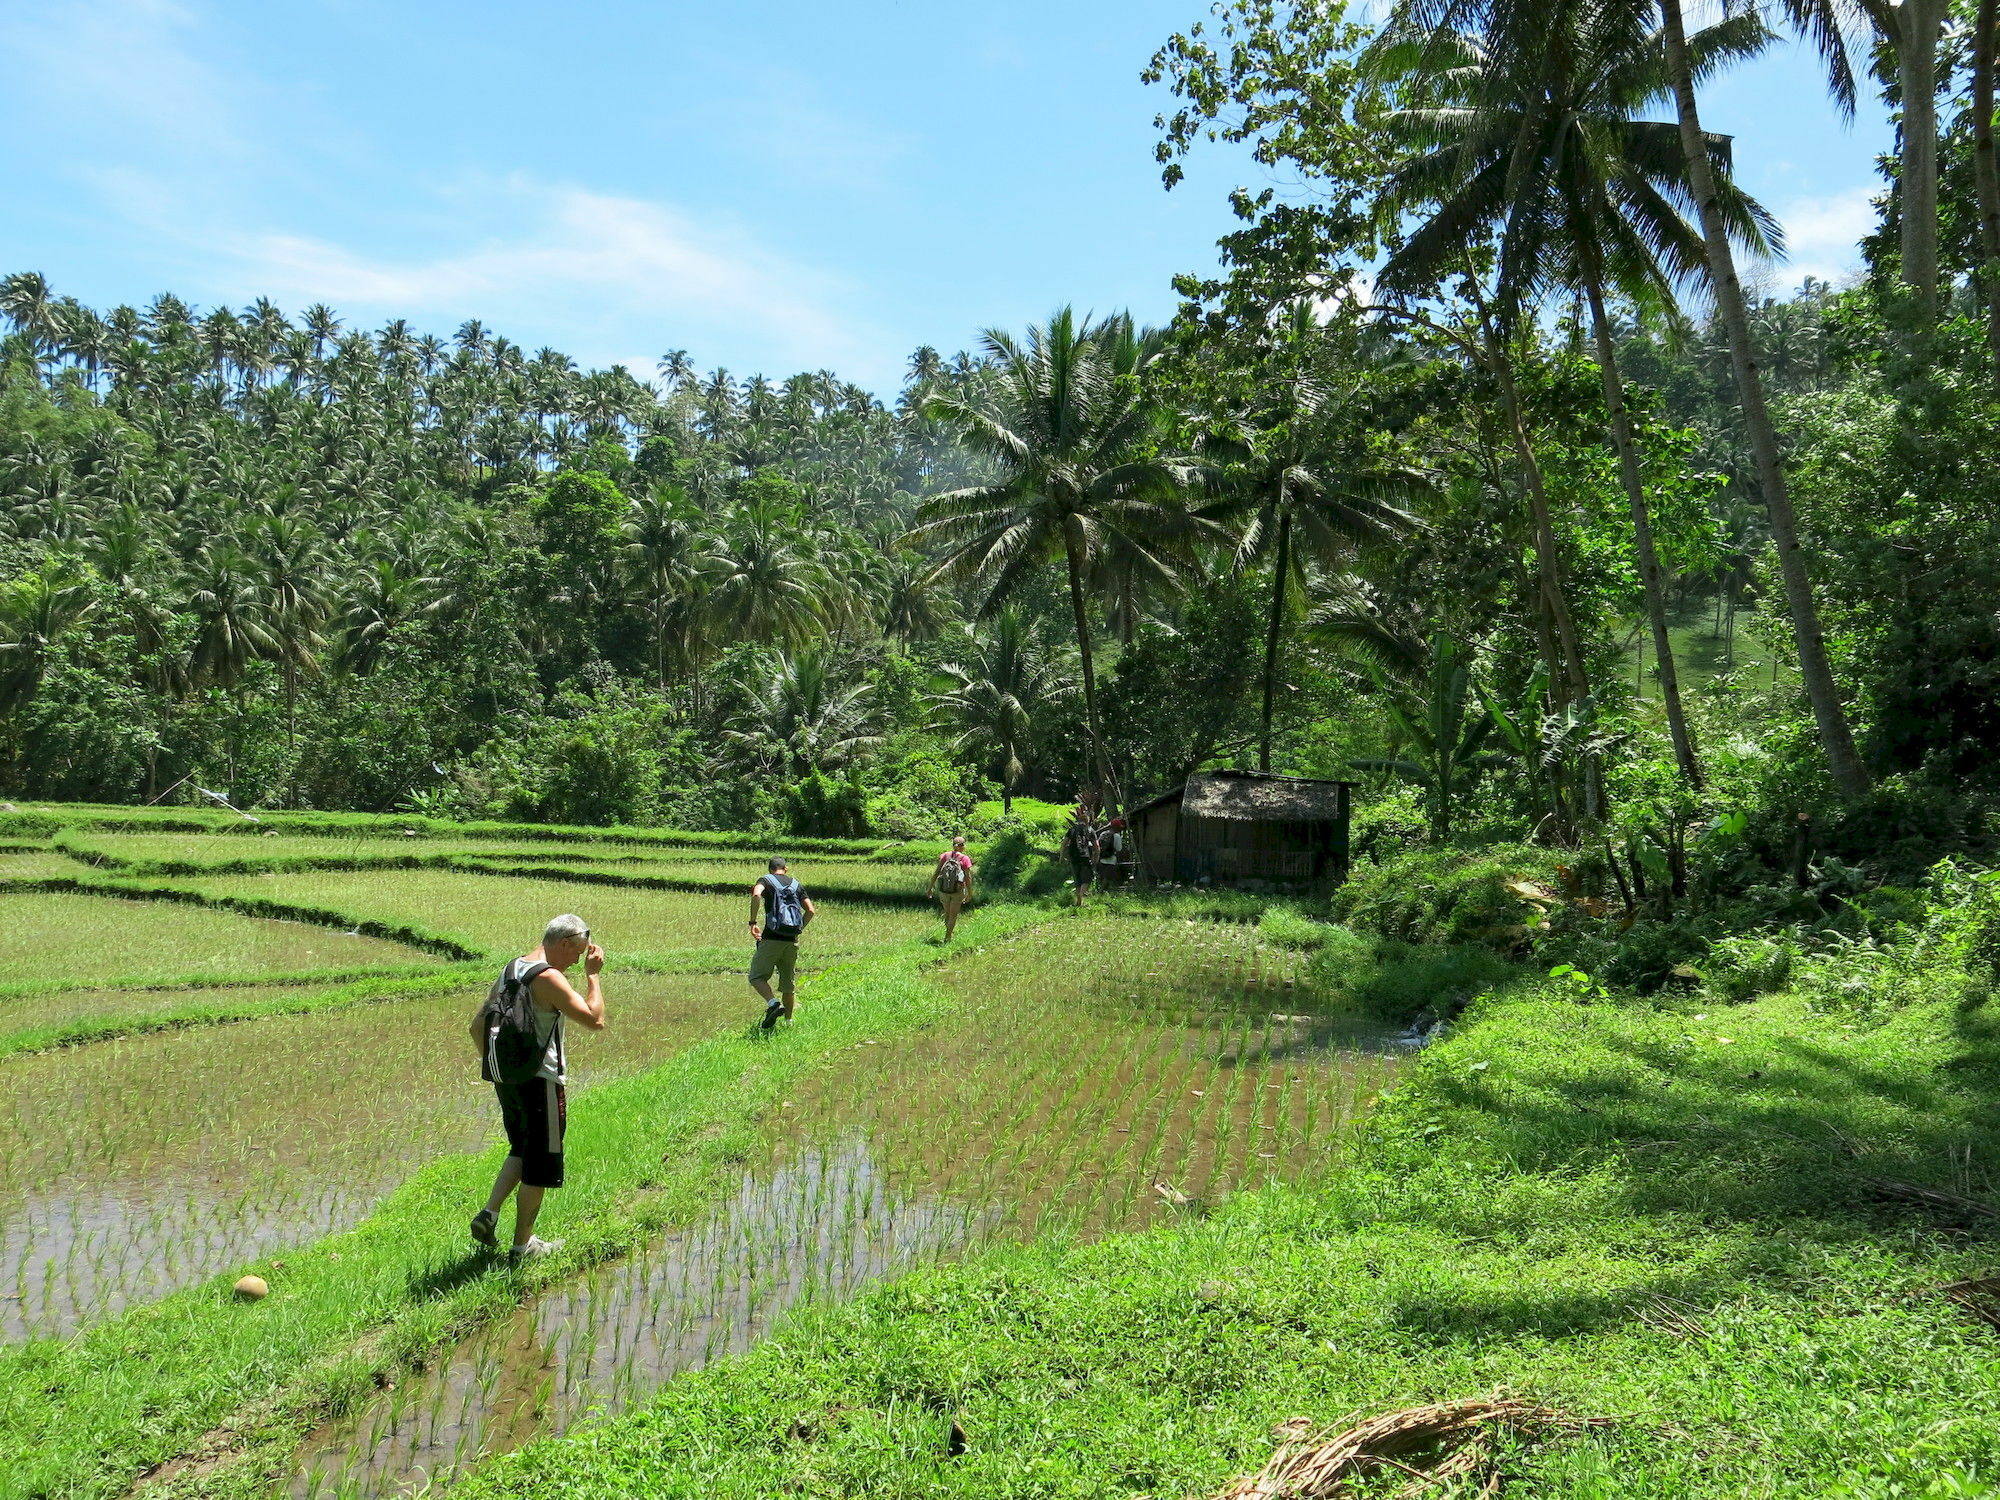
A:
[784,908]
[514,1049]
[950,876]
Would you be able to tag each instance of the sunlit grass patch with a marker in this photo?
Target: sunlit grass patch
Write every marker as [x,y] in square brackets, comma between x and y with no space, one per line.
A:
[504,915]
[139,1165]
[60,936]
[37,864]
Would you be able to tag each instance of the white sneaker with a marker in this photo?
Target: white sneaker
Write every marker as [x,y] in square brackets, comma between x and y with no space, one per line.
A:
[534,1249]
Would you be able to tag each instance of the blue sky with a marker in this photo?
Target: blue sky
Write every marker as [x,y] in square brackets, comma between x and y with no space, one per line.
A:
[773,185]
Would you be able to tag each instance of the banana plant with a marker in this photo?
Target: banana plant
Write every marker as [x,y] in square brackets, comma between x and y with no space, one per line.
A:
[1443,737]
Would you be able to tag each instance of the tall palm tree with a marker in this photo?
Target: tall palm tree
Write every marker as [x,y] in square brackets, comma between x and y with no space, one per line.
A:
[1544,149]
[1066,417]
[1304,491]
[36,611]
[760,580]
[1511,31]
[1001,680]
[290,560]
[661,551]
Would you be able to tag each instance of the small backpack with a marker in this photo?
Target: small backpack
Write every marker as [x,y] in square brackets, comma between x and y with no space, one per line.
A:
[514,1048]
[784,908]
[950,876]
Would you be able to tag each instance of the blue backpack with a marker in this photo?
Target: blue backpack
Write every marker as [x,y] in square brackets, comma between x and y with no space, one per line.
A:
[784,908]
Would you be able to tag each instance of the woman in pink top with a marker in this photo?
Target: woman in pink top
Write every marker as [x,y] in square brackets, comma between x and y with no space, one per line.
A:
[951,883]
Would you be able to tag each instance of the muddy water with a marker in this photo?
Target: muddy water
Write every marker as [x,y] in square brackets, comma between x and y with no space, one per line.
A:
[1092,1078]
[141,1165]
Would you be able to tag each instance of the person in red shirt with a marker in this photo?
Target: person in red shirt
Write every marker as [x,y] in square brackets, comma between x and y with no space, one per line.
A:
[951,883]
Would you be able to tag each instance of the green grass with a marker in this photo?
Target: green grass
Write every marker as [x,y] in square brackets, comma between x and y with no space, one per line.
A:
[44,820]
[1657,1216]
[38,864]
[823,878]
[75,938]
[89,1413]
[504,915]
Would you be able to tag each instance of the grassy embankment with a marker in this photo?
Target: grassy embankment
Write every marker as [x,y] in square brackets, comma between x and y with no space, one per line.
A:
[237,1385]
[1687,1217]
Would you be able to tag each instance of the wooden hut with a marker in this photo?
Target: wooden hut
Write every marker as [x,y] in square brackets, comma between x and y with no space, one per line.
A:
[1244,828]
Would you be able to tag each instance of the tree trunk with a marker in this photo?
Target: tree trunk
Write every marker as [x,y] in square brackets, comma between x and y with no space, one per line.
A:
[1849,775]
[1272,630]
[1089,670]
[1574,684]
[1642,537]
[1986,170]
[1918,24]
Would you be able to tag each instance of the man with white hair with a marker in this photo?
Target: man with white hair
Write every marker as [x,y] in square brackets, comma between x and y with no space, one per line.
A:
[526,1006]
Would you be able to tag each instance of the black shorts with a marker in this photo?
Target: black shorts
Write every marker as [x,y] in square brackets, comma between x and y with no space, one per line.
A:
[535,1113]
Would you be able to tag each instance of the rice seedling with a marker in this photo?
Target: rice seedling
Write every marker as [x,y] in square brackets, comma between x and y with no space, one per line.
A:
[494,912]
[74,937]
[148,1163]
[37,864]
[820,1227]
[204,850]
[1095,1074]
[818,873]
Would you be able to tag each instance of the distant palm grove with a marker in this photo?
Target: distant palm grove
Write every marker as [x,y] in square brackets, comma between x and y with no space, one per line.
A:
[1479,476]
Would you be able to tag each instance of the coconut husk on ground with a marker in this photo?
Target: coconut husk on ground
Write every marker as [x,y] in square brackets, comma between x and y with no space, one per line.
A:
[1430,1444]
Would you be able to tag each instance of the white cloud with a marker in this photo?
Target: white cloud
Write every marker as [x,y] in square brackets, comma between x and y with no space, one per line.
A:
[602,277]
[1823,236]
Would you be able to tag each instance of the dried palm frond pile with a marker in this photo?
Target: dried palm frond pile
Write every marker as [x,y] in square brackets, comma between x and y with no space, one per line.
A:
[1433,1445]
[1979,1296]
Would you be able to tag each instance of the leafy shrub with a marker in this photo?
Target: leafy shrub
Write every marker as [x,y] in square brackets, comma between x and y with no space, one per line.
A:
[820,806]
[1397,982]
[1289,927]
[1448,895]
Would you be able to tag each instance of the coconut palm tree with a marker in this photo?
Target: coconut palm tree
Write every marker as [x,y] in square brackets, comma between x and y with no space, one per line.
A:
[36,610]
[804,718]
[1546,152]
[760,580]
[1303,491]
[1065,416]
[1511,31]
[661,556]
[1007,678]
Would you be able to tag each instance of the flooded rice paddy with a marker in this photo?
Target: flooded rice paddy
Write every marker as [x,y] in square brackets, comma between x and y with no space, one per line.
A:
[50,1010]
[81,938]
[141,1165]
[1094,1075]
[496,913]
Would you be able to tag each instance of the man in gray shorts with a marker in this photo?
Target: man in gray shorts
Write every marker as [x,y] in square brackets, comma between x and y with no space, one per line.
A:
[780,912]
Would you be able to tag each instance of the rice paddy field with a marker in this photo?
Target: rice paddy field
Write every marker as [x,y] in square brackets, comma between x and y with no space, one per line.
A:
[143,1164]
[88,939]
[501,914]
[190,1090]
[1092,1076]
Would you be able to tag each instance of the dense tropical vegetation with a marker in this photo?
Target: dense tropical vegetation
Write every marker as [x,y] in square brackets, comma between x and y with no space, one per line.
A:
[1477,473]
